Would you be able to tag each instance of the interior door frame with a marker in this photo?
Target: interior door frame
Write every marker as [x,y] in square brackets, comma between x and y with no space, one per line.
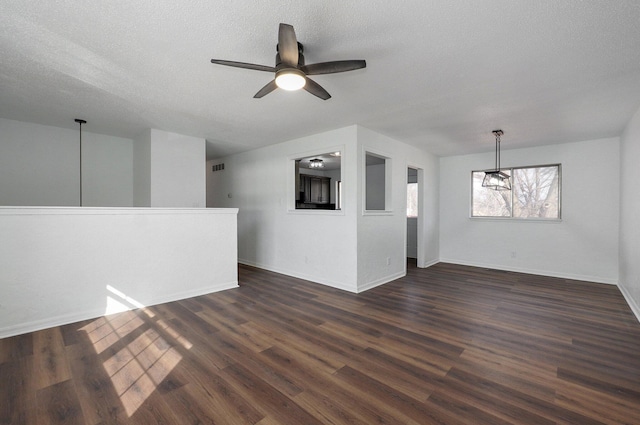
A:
[420,220]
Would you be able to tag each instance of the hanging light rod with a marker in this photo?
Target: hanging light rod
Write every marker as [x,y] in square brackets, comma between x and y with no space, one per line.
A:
[496,179]
[80,122]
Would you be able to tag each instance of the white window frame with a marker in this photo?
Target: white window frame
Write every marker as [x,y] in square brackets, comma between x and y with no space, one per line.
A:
[511,217]
[291,172]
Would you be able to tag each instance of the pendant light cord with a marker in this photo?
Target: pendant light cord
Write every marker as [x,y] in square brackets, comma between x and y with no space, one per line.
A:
[498,133]
[498,150]
[80,122]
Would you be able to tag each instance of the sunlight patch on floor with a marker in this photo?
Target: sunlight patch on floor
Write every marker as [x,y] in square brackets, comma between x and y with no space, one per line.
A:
[139,367]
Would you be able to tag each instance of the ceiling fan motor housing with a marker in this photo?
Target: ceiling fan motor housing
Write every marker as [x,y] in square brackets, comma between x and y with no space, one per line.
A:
[279,64]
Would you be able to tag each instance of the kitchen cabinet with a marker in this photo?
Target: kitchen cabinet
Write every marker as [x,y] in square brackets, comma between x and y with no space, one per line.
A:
[315,192]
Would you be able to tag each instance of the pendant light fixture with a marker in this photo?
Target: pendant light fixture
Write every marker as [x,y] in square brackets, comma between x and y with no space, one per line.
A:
[316,163]
[80,122]
[496,179]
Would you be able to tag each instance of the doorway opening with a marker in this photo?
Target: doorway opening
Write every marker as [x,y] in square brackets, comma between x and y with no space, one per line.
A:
[414,216]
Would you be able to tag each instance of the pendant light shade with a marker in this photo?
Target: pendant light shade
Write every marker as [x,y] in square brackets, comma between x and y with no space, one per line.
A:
[290,79]
[496,179]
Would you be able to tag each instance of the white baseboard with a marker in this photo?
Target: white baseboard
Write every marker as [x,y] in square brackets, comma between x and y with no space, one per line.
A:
[297,275]
[632,304]
[381,281]
[316,279]
[572,276]
[73,317]
[429,264]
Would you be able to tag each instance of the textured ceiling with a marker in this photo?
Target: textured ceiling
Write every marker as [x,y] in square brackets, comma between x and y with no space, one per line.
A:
[440,74]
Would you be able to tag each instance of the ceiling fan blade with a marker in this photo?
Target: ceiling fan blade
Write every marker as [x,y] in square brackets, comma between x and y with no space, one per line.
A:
[244,65]
[271,86]
[333,67]
[288,46]
[316,89]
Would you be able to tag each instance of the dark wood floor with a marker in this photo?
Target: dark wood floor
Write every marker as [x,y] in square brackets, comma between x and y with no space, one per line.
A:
[444,345]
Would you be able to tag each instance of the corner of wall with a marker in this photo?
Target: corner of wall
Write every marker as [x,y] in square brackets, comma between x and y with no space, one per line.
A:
[629,223]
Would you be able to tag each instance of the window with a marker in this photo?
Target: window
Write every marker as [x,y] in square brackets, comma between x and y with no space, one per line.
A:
[535,194]
[412,199]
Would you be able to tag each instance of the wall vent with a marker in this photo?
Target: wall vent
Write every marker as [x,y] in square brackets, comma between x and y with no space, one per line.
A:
[217,167]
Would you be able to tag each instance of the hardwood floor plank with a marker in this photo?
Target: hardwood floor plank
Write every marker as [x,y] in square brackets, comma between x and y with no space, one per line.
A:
[536,379]
[339,400]
[607,408]
[58,404]
[17,392]
[16,347]
[384,394]
[266,398]
[506,403]
[96,395]
[51,366]
[401,377]
[211,398]
[190,402]
[458,408]
[624,388]
[447,345]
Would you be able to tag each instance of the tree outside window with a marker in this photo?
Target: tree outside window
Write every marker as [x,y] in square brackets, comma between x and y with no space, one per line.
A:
[535,194]
[412,199]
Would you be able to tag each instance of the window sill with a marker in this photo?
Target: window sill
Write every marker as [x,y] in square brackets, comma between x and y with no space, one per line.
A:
[314,211]
[377,212]
[519,220]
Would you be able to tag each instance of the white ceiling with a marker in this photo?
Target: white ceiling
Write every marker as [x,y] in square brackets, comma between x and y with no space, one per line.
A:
[329,162]
[441,74]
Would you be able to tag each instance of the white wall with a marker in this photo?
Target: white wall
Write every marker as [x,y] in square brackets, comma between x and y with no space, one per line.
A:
[317,245]
[583,245]
[61,265]
[347,249]
[630,214]
[177,170]
[169,170]
[382,235]
[39,165]
[428,210]
[142,169]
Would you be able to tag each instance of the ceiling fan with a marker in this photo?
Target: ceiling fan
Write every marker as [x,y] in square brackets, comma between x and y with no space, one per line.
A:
[291,71]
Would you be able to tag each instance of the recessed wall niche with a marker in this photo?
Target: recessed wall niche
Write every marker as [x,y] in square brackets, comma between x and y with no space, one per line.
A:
[318,182]
[376,182]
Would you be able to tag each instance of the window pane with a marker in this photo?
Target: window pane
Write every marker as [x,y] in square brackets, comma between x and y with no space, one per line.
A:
[412,200]
[536,192]
[489,202]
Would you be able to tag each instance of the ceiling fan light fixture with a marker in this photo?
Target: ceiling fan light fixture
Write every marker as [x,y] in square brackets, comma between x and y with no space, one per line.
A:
[291,71]
[290,79]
